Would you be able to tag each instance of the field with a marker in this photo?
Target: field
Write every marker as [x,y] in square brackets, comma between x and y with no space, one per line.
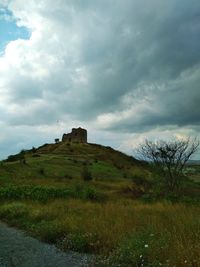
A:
[45,193]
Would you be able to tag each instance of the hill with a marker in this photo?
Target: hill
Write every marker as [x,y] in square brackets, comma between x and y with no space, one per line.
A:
[43,191]
[68,160]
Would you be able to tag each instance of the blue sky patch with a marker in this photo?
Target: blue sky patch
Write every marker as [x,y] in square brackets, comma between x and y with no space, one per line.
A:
[9,30]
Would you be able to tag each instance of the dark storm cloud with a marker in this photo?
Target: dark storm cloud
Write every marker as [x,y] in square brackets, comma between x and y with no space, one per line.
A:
[146,42]
[131,65]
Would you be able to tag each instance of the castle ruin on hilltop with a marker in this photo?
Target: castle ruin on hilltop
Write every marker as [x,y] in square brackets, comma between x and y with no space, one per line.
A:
[77,135]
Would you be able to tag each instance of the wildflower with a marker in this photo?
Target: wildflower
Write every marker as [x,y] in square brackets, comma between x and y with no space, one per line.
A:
[140,256]
[146,245]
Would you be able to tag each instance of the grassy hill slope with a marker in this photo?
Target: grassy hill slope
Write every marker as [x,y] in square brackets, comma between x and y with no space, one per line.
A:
[67,161]
[42,191]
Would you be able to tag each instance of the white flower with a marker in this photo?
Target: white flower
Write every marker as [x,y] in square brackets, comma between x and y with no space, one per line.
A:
[146,245]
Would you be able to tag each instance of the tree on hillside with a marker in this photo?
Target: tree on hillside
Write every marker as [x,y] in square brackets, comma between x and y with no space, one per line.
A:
[170,158]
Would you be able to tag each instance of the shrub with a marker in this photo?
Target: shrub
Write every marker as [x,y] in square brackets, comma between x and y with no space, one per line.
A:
[86,175]
[40,193]
[41,171]
[67,176]
[141,181]
[44,193]
[12,158]
[33,150]
[90,193]
[36,156]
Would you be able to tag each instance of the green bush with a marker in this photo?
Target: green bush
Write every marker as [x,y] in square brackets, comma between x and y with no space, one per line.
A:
[90,193]
[16,157]
[86,175]
[40,193]
[67,176]
[44,193]
[36,156]
[41,171]
[141,181]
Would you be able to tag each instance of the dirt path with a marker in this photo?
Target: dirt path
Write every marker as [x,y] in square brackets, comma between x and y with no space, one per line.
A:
[19,250]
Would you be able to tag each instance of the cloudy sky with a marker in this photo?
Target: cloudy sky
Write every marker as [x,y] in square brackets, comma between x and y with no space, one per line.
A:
[124,69]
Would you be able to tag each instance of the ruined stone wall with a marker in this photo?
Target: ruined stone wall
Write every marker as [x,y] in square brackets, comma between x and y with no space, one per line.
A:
[78,135]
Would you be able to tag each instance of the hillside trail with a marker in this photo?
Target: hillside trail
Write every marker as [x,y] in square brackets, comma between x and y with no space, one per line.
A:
[19,250]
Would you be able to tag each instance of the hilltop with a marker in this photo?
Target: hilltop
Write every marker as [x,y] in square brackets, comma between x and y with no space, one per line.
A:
[67,160]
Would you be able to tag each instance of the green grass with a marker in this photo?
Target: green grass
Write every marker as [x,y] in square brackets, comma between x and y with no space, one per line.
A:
[44,193]
[48,197]
[122,232]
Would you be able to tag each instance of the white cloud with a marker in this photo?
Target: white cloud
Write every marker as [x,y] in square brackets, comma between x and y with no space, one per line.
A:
[111,66]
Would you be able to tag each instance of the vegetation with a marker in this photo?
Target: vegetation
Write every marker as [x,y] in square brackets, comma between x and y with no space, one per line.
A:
[87,176]
[119,214]
[170,158]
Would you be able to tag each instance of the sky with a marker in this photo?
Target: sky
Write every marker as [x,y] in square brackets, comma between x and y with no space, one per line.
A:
[124,70]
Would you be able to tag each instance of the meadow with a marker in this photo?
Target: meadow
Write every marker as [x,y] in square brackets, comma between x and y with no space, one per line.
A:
[47,196]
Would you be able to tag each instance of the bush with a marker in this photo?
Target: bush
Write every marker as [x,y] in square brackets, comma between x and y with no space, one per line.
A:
[141,181]
[33,150]
[90,193]
[86,175]
[41,171]
[36,156]
[67,176]
[16,157]
[44,193]
[39,193]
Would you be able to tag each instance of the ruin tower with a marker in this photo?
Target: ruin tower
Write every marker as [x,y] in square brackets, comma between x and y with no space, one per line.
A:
[77,135]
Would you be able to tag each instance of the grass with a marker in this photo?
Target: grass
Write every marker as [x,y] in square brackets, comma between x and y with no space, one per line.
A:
[44,193]
[48,197]
[125,232]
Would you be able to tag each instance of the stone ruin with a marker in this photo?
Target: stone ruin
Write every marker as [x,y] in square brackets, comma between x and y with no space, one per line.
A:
[77,135]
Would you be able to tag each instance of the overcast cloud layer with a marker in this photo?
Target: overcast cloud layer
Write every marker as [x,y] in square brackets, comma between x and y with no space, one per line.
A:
[126,70]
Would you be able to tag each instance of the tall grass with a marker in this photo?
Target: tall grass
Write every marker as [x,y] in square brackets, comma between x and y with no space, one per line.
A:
[125,232]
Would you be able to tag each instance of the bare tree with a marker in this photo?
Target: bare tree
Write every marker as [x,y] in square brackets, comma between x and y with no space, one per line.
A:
[170,157]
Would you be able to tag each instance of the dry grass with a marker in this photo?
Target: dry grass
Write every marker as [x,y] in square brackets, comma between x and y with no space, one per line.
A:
[172,232]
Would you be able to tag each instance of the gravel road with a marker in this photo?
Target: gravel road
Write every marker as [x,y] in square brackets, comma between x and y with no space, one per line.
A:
[19,250]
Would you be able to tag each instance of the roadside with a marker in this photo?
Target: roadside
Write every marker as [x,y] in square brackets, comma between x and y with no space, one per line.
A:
[19,250]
